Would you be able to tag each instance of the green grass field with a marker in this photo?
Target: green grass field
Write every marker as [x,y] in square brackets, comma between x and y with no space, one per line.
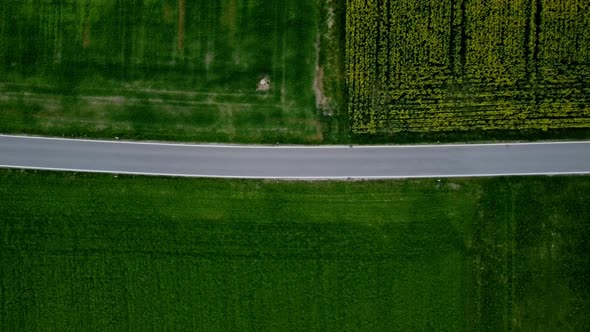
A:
[165,70]
[80,251]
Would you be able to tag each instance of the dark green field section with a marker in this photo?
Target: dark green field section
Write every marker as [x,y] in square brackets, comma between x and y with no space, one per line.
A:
[80,251]
[174,70]
[467,66]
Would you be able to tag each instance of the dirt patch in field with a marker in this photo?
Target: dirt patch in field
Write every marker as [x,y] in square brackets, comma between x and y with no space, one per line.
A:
[321,100]
[330,17]
[229,14]
[108,100]
[263,85]
[209,59]
[181,13]
[454,186]
[86,39]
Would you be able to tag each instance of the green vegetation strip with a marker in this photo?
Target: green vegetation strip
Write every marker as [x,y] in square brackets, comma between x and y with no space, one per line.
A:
[81,251]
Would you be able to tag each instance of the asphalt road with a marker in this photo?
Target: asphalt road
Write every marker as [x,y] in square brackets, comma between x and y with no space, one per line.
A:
[295,162]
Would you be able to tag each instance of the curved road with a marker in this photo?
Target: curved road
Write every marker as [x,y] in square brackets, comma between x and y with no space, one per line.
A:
[294,162]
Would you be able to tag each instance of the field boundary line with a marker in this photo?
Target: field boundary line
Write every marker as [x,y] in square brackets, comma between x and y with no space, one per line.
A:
[262,146]
[281,177]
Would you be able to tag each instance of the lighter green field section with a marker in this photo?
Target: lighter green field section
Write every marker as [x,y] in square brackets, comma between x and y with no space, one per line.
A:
[104,252]
[174,70]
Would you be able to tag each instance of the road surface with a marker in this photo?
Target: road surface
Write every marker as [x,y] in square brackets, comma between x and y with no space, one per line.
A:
[295,162]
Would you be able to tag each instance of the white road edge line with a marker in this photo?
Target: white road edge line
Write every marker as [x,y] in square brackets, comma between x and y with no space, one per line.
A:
[286,146]
[370,177]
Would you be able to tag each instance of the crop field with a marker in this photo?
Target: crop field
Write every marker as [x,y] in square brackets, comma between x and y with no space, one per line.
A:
[160,69]
[84,251]
[467,65]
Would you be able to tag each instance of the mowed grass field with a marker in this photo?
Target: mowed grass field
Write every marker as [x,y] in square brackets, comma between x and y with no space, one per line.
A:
[476,69]
[162,70]
[82,251]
